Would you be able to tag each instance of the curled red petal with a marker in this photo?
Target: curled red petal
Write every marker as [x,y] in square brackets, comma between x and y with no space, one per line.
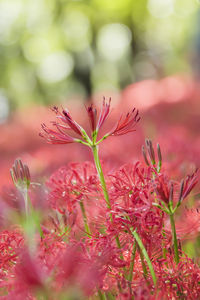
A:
[127,124]
[105,109]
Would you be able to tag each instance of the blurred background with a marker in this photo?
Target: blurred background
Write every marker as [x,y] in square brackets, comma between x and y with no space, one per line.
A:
[54,50]
[143,53]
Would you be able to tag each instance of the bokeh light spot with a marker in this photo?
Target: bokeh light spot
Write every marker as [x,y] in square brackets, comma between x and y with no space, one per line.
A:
[55,67]
[77,30]
[36,48]
[161,8]
[4,107]
[9,13]
[113,41]
[184,8]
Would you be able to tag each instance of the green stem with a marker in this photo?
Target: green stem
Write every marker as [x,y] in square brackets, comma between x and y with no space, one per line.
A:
[118,242]
[101,176]
[144,268]
[130,275]
[144,252]
[109,296]
[101,295]
[175,243]
[26,201]
[87,228]
[164,250]
[103,185]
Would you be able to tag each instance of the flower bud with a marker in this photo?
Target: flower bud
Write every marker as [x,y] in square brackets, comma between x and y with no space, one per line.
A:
[150,151]
[20,175]
[145,155]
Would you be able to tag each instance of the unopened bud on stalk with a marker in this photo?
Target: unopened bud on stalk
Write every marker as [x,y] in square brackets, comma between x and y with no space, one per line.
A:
[181,191]
[151,154]
[171,193]
[145,156]
[20,175]
[150,151]
[159,153]
[21,178]
[179,245]
[159,157]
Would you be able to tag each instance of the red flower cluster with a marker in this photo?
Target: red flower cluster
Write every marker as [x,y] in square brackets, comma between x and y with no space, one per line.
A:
[104,235]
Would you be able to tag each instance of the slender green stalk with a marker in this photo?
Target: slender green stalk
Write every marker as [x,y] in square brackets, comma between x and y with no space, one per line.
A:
[164,250]
[100,173]
[24,192]
[109,296]
[130,275]
[87,228]
[144,268]
[118,244]
[103,185]
[175,243]
[144,252]
[101,295]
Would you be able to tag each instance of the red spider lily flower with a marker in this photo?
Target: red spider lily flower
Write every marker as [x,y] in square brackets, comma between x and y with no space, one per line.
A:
[178,281]
[70,184]
[10,243]
[61,134]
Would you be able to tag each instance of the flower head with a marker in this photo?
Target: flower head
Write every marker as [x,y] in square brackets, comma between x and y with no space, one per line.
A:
[29,272]
[20,174]
[65,127]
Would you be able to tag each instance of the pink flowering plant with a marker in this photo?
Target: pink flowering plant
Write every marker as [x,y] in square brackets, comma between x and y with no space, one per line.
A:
[88,233]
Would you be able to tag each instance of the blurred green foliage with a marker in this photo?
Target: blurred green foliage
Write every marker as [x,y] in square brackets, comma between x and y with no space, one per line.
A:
[55,49]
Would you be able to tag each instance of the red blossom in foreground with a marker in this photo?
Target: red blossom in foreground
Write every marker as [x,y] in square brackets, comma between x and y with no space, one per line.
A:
[71,184]
[114,255]
[10,244]
[178,281]
[79,268]
[29,272]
